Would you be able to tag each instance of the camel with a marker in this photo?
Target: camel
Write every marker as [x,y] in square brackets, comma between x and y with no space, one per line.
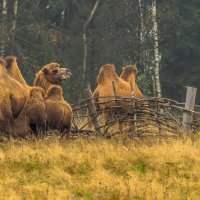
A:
[59,112]
[51,74]
[129,74]
[13,97]
[14,71]
[32,118]
[18,96]
[107,75]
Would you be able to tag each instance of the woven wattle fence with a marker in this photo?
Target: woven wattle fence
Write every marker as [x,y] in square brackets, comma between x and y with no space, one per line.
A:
[135,117]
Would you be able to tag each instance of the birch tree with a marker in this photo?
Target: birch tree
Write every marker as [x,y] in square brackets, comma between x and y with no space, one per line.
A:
[3,27]
[156,50]
[141,30]
[85,45]
[13,25]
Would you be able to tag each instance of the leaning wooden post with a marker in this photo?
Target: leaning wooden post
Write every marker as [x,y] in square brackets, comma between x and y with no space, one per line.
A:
[157,115]
[117,104]
[92,110]
[134,107]
[189,105]
[114,89]
[132,90]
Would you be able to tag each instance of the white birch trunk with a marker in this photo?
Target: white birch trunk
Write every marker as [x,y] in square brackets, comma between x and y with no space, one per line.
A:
[141,22]
[14,20]
[62,17]
[141,33]
[3,28]
[156,50]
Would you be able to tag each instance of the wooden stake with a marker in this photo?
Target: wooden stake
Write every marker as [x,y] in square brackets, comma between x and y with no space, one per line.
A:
[134,108]
[92,110]
[117,104]
[189,105]
[114,89]
[132,91]
[157,115]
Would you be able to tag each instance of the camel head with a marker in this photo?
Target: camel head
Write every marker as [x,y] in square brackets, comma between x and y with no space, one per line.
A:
[55,74]
[13,69]
[107,73]
[37,92]
[129,73]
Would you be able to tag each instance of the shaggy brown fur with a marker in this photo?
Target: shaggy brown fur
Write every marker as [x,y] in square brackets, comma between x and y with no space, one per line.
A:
[13,70]
[106,75]
[59,112]
[32,119]
[13,97]
[129,74]
[18,100]
[35,110]
[51,74]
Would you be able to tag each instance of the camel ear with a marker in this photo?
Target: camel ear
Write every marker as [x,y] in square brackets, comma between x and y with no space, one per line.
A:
[2,62]
[9,60]
[45,70]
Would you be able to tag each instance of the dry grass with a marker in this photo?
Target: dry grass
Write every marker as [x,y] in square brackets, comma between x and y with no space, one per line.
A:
[99,169]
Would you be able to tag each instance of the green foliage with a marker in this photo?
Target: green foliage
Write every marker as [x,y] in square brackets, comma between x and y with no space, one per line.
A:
[44,34]
[144,82]
[180,46]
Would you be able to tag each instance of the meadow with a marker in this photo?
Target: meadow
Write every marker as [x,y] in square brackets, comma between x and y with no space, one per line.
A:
[96,168]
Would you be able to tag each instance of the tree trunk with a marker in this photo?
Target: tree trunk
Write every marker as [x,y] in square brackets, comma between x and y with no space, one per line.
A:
[85,45]
[91,66]
[14,20]
[62,18]
[3,28]
[156,50]
[141,32]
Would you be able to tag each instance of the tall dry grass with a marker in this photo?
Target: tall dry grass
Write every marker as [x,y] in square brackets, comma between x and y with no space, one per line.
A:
[100,169]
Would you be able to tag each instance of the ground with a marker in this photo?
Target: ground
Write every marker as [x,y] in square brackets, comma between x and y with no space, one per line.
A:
[100,169]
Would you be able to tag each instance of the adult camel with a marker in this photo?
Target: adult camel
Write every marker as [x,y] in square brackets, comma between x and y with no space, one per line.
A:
[51,74]
[105,93]
[129,74]
[18,95]
[13,97]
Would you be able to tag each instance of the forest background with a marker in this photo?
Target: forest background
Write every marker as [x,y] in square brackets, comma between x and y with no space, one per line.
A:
[43,31]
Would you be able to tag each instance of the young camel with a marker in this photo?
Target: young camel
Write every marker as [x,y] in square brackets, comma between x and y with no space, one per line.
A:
[59,112]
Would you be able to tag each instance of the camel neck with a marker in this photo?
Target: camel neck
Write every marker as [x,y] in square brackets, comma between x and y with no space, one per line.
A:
[131,78]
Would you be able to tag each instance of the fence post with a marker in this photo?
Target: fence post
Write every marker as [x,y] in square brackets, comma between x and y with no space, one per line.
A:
[92,110]
[132,90]
[189,105]
[117,104]
[114,89]
[134,107]
[157,115]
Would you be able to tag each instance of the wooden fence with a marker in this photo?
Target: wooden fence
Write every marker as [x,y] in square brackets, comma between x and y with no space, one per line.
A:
[136,117]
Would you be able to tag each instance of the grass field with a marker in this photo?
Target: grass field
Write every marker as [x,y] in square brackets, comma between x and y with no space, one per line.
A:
[100,169]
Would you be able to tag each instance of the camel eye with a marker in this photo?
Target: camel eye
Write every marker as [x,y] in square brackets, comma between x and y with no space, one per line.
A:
[55,71]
